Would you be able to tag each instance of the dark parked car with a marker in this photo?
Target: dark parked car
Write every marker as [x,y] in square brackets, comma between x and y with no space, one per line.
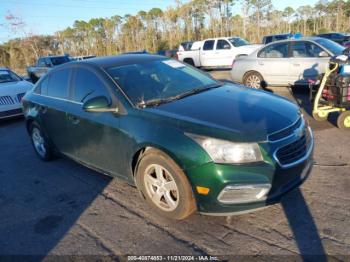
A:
[44,64]
[340,38]
[184,139]
[272,38]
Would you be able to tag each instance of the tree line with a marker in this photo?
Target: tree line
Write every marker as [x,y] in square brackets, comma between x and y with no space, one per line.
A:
[159,29]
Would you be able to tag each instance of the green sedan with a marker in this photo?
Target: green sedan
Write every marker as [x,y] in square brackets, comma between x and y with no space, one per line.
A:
[187,141]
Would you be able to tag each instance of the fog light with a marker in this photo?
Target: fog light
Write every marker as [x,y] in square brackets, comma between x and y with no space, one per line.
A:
[236,194]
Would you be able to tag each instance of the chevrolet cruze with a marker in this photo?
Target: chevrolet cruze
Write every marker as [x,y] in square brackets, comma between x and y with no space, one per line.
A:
[187,141]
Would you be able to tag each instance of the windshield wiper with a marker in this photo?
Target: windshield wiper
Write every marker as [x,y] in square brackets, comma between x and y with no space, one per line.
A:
[159,101]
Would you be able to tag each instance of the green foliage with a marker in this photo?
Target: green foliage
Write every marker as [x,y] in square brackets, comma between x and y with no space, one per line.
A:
[158,29]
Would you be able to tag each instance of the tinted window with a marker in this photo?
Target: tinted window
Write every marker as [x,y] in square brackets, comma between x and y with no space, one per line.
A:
[222,44]
[42,86]
[87,85]
[159,79]
[58,83]
[275,51]
[209,45]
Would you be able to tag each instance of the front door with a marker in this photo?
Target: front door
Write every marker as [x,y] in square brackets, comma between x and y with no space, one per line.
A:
[306,63]
[96,136]
[224,54]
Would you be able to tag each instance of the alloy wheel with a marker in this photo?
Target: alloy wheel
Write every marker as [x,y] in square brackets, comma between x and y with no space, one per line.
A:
[39,142]
[253,81]
[161,187]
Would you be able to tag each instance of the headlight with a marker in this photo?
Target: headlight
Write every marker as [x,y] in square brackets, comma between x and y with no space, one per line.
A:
[222,151]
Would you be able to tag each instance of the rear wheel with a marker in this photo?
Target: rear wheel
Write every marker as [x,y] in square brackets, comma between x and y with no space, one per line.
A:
[253,80]
[40,143]
[164,185]
[189,61]
[343,121]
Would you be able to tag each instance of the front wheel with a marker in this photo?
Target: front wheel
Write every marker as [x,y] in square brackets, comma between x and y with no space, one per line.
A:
[253,80]
[343,121]
[320,116]
[164,185]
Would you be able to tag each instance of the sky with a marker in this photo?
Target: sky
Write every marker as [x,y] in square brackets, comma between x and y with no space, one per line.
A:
[49,16]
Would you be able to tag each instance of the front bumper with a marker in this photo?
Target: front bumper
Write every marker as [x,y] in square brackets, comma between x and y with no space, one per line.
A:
[282,178]
[11,113]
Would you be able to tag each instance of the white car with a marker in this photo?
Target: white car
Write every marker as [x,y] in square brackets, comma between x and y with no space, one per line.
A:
[286,62]
[12,90]
[216,52]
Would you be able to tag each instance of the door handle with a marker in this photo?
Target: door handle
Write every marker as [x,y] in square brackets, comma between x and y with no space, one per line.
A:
[296,64]
[261,63]
[74,120]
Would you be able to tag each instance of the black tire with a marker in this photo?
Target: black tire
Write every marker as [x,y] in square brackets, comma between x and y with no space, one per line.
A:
[189,61]
[343,121]
[183,195]
[46,152]
[319,118]
[253,80]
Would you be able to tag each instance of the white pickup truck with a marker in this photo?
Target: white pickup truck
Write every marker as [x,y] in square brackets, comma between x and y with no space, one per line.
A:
[216,52]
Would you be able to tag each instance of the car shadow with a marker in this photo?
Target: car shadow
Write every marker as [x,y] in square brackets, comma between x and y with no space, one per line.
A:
[303,226]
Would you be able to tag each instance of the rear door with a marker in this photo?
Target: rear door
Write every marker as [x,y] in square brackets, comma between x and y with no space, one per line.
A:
[96,136]
[53,113]
[273,63]
[207,54]
[306,63]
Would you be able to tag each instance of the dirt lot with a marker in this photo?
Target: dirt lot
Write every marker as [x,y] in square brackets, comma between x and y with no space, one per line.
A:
[62,208]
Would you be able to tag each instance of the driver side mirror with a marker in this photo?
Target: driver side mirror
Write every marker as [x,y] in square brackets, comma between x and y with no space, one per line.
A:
[323,54]
[98,104]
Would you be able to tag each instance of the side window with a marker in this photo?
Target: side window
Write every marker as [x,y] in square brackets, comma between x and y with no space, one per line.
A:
[58,84]
[222,45]
[279,50]
[42,86]
[305,49]
[208,45]
[87,85]
[47,62]
[41,62]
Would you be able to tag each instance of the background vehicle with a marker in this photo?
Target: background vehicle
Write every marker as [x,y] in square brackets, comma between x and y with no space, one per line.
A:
[79,58]
[185,46]
[44,64]
[186,140]
[168,53]
[340,38]
[287,62]
[216,52]
[272,38]
[12,89]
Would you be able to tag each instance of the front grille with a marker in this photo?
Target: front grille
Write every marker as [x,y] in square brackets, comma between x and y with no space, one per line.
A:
[285,132]
[10,113]
[6,100]
[295,151]
[20,96]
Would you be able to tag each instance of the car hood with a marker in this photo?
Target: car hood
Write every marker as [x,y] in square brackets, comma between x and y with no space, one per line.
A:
[242,113]
[14,88]
[248,49]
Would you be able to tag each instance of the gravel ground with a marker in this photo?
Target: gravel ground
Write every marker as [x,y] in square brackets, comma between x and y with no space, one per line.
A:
[62,208]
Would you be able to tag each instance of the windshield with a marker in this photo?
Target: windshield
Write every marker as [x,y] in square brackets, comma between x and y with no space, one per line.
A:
[161,79]
[59,60]
[237,42]
[331,46]
[8,76]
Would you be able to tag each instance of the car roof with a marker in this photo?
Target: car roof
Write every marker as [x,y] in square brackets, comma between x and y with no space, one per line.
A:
[307,38]
[121,60]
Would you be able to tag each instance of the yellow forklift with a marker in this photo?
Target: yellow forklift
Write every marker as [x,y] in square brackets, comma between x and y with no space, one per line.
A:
[333,93]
